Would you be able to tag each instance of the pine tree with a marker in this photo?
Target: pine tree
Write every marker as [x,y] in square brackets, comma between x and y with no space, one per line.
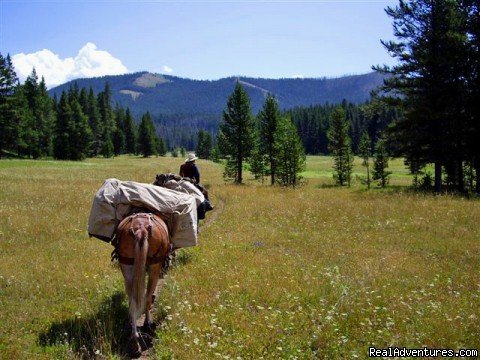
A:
[380,163]
[80,137]
[63,128]
[130,134]
[21,118]
[471,9]
[183,152]
[8,82]
[73,94]
[94,120]
[108,126]
[268,118]
[339,145]
[38,132]
[428,82]
[258,162]
[204,145]
[147,139]
[215,156]
[46,119]
[236,133]
[30,131]
[83,100]
[161,148]
[365,152]
[107,148]
[290,155]
[119,138]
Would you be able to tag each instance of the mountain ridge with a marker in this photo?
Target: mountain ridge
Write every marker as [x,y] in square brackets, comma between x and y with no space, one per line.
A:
[166,96]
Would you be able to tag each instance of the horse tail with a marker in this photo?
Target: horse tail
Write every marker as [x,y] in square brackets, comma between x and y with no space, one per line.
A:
[137,305]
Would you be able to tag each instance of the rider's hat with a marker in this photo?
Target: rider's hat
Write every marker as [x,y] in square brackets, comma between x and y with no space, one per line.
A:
[191,157]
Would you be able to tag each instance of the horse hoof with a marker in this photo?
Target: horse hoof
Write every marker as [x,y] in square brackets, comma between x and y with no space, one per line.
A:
[134,349]
[149,328]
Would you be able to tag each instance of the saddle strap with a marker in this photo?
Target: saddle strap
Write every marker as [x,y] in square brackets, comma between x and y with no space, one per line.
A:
[130,261]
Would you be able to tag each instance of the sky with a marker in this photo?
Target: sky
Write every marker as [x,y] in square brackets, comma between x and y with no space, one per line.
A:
[212,39]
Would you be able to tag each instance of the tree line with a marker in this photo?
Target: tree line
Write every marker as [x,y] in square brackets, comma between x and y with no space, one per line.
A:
[78,125]
[313,123]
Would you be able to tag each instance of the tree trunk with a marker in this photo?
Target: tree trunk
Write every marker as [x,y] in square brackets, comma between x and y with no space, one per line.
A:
[477,176]
[272,171]
[461,178]
[438,177]
[239,169]
[368,176]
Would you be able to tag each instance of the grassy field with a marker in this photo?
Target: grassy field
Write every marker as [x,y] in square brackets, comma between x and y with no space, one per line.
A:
[315,272]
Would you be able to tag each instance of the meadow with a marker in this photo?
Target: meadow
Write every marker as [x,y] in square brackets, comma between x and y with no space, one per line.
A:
[314,272]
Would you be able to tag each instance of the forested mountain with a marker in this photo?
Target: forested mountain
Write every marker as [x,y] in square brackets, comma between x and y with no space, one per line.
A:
[167,96]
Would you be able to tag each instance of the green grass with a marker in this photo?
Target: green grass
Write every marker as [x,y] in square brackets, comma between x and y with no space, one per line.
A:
[321,167]
[315,272]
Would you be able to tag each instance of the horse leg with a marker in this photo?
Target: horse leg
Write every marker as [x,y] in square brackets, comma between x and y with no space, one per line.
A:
[153,275]
[127,271]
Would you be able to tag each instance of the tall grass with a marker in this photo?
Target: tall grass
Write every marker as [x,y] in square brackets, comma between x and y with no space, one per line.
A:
[315,272]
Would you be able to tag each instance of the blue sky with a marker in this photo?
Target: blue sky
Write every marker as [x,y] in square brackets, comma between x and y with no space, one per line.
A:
[200,40]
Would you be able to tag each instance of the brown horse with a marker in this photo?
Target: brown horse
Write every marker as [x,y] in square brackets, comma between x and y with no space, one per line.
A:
[143,243]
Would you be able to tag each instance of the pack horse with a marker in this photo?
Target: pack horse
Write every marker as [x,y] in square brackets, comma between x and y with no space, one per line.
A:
[143,243]
[155,221]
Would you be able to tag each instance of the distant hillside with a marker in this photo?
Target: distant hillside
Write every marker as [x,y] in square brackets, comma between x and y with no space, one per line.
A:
[169,96]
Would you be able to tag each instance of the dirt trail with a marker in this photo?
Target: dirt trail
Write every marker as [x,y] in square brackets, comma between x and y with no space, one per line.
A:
[147,352]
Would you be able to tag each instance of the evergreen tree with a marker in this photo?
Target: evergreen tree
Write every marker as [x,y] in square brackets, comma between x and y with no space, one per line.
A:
[258,161]
[21,118]
[94,120]
[428,83]
[146,136]
[83,100]
[108,126]
[290,155]
[161,148]
[339,145]
[236,133]
[380,163]
[8,82]
[119,138]
[215,156]
[38,131]
[30,131]
[204,145]
[73,94]
[63,128]
[269,117]
[46,119]
[365,152]
[471,9]
[130,133]
[107,148]
[80,136]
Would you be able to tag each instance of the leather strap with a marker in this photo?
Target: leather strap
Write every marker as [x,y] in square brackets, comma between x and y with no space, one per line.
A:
[130,261]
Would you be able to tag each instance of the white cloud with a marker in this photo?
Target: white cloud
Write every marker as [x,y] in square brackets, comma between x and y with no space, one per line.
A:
[89,62]
[167,69]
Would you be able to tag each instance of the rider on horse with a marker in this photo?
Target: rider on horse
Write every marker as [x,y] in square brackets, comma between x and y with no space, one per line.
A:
[190,170]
